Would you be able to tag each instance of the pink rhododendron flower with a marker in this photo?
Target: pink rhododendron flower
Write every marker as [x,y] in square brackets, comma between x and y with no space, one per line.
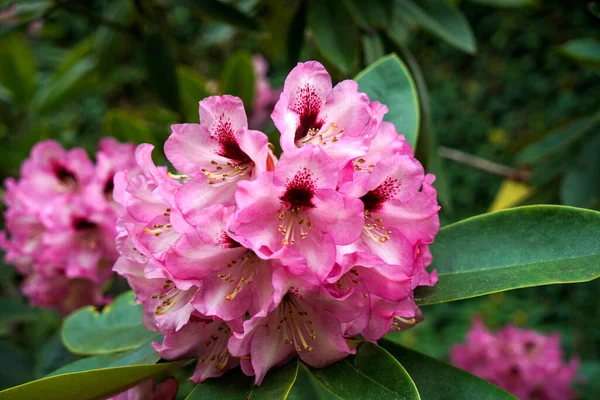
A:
[60,222]
[265,96]
[241,258]
[525,363]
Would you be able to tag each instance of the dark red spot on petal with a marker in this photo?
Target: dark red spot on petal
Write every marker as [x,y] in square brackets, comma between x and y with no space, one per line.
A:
[384,192]
[228,144]
[82,224]
[299,191]
[307,105]
[227,242]
[109,187]
[64,175]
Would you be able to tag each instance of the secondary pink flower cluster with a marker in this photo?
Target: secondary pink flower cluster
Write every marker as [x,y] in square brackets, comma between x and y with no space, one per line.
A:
[264,95]
[523,362]
[166,390]
[61,221]
[246,259]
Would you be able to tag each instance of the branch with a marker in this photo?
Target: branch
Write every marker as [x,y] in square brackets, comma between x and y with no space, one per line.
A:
[483,164]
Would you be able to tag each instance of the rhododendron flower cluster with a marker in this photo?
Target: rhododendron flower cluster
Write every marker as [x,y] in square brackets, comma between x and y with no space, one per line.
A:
[60,221]
[166,390]
[241,258]
[523,362]
[264,95]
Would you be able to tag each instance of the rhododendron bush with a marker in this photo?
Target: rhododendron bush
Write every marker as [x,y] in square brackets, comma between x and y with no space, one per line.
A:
[275,270]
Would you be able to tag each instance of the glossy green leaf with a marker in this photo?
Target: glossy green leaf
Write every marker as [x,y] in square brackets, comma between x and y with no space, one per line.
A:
[220,11]
[338,42]
[95,384]
[237,78]
[428,152]
[371,374]
[235,385]
[52,355]
[437,380]
[580,186]
[438,17]
[307,387]
[126,126]
[585,51]
[16,366]
[67,86]
[118,327]
[516,248]
[389,81]
[142,355]
[161,69]
[193,89]
[558,140]
[18,71]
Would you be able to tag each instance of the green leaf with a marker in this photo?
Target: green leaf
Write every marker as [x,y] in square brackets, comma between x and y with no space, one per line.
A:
[371,374]
[16,366]
[18,73]
[161,69]
[221,12]
[95,384]
[372,47]
[389,81]
[193,89]
[516,248]
[586,51]
[437,380]
[307,387]
[235,385]
[67,86]
[441,19]
[15,310]
[557,140]
[126,126]
[117,328]
[110,43]
[376,15]
[295,37]
[142,355]
[507,3]
[428,152]
[580,186]
[237,78]
[337,40]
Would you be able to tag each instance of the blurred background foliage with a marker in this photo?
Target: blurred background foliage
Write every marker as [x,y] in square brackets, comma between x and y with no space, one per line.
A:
[509,114]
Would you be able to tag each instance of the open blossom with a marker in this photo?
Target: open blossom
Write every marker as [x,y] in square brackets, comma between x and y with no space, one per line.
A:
[60,222]
[527,364]
[243,259]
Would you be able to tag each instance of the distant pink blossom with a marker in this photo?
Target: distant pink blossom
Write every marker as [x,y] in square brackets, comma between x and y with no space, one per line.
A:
[527,364]
[166,390]
[244,259]
[265,96]
[60,222]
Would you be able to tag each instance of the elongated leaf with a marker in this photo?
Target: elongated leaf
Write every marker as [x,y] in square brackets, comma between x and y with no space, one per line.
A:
[585,51]
[441,19]
[16,366]
[388,81]
[558,140]
[515,248]
[193,89]
[371,374]
[377,15]
[221,12]
[67,86]
[142,355]
[428,151]
[437,380]
[237,78]
[117,328]
[126,126]
[510,194]
[18,72]
[295,37]
[161,69]
[580,187]
[338,42]
[235,385]
[372,47]
[95,384]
